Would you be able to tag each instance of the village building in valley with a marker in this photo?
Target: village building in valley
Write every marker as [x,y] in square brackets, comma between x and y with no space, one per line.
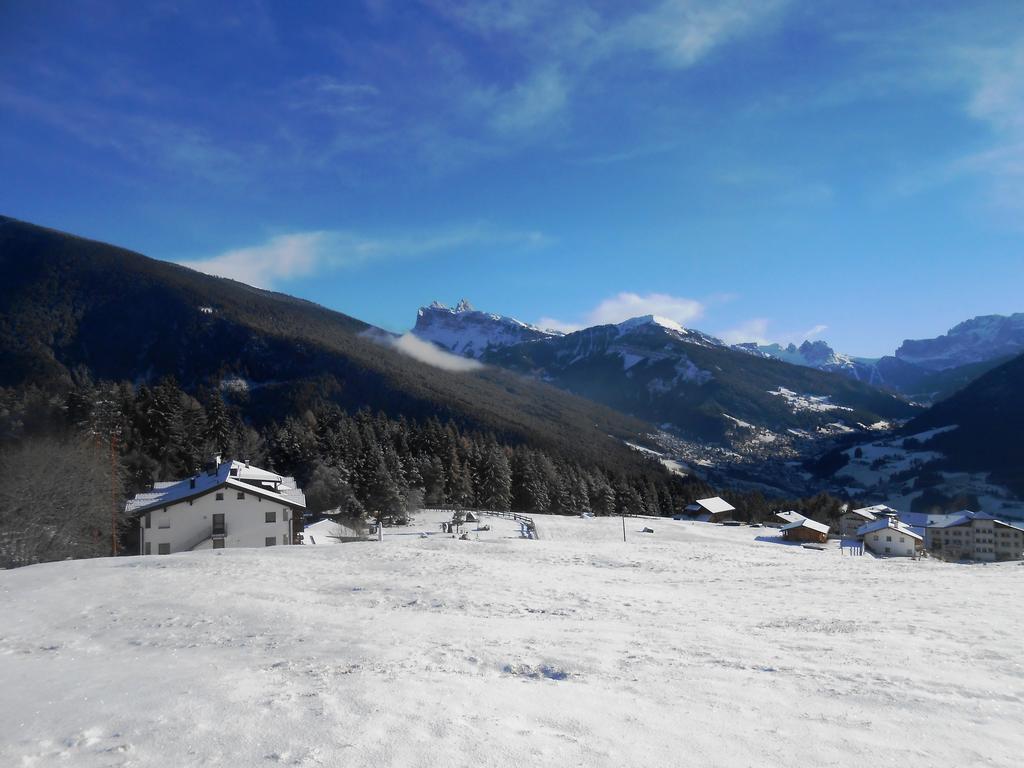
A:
[888,537]
[976,536]
[852,519]
[711,510]
[232,504]
[805,530]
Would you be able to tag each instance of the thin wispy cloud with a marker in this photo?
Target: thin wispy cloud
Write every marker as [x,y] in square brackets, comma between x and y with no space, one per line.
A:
[626,305]
[758,331]
[301,254]
[425,352]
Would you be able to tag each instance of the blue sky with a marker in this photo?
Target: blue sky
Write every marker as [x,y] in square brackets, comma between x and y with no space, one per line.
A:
[759,170]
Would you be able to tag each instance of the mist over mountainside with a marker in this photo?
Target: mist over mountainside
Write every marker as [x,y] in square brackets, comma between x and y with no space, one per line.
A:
[71,305]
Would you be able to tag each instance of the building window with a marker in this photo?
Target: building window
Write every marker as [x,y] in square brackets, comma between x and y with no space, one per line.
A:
[271,541]
[888,538]
[149,548]
[220,497]
[218,543]
[163,549]
[241,496]
[271,516]
[164,522]
[147,520]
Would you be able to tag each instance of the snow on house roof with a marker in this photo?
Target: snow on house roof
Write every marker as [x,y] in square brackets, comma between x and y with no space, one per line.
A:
[876,510]
[164,493]
[886,523]
[868,513]
[715,505]
[965,517]
[790,516]
[806,522]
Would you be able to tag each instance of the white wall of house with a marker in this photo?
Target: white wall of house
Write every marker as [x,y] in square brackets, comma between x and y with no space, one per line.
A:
[890,542]
[187,525]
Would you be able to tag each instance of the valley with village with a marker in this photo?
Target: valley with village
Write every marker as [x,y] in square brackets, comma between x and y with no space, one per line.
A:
[512,384]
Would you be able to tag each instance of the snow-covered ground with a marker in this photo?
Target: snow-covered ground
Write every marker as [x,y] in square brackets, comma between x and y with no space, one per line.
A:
[693,645]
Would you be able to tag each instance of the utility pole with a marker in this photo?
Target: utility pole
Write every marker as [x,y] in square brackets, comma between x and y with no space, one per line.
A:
[623,527]
[113,493]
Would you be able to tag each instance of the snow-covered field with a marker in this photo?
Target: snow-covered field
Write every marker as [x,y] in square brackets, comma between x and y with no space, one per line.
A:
[695,645]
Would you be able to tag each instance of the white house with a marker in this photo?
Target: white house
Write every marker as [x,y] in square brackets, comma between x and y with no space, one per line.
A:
[976,536]
[887,537]
[233,505]
[852,519]
[711,510]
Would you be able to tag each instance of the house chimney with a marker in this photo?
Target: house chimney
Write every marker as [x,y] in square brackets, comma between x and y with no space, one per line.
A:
[191,482]
[216,460]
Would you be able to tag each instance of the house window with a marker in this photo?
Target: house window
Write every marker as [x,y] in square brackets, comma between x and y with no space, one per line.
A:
[241,496]
[164,522]
[271,516]
[888,538]
[163,549]
[218,523]
[271,541]
[901,539]
[218,543]
[220,497]
[147,520]
[149,548]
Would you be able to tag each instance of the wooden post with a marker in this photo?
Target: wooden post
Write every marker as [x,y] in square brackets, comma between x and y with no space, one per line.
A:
[623,527]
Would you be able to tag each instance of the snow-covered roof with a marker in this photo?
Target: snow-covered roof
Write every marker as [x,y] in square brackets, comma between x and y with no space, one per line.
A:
[867,513]
[715,505]
[790,516]
[876,510]
[165,493]
[806,522]
[886,523]
[965,517]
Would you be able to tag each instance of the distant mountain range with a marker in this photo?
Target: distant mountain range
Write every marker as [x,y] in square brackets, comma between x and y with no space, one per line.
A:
[685,380]
[927,370]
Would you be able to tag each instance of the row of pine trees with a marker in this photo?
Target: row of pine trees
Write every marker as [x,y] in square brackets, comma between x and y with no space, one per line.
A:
[356,465]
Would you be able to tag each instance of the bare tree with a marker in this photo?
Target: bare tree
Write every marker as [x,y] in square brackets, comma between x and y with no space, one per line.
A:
[59,499]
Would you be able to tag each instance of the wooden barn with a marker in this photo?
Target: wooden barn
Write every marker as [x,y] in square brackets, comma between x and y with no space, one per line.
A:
[805,530]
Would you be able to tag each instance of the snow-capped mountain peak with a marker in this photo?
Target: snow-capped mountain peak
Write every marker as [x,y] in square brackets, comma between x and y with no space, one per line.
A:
[658,323]
[664,322]
[975,340]
[469,332]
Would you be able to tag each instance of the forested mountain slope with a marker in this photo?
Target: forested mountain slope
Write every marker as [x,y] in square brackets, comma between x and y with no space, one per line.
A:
[69,304]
